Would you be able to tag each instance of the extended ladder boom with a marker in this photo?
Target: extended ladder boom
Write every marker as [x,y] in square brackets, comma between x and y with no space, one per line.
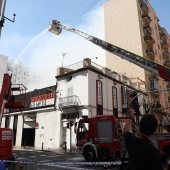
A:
[164,72]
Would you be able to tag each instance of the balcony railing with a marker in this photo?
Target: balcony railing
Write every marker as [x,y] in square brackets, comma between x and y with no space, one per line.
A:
[147,27]
[146,18]
[154,92]
[96,66]
[165,45]
[150,52]
[149,40]
[144,6]
[167,63]
[165,54]
[75,66]
[69,101]
[163,34]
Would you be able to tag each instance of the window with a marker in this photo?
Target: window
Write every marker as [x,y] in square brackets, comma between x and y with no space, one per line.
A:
[69,116]
[153,85]
[105,136]
[83,127]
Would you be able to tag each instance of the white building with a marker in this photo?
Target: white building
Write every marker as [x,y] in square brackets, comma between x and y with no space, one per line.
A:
[89,90]
[3,66]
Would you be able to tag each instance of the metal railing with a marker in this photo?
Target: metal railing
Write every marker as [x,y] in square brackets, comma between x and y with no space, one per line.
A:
[75,66]
[69,101]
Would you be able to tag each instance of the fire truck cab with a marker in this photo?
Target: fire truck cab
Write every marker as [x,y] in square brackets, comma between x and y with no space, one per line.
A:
[98,137]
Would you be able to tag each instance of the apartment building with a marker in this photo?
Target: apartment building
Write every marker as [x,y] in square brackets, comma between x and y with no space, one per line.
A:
[133,25]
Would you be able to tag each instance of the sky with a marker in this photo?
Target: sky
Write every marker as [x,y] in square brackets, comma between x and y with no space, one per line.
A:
[29,41]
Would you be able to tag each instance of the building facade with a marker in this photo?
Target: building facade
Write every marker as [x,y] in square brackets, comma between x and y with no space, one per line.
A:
[88,90]
[134,26]
[3,66]
[24,75]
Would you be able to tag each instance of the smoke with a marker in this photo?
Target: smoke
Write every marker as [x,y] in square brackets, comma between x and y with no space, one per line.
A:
[43,54]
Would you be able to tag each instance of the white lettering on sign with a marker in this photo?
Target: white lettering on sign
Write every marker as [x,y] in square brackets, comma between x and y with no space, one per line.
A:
[42,100]
[6,137]
[115,97]
[38,104]
[124,97]
[6,133]
[99,93]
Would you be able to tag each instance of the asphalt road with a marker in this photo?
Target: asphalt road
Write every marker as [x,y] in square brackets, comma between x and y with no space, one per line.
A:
[53,160]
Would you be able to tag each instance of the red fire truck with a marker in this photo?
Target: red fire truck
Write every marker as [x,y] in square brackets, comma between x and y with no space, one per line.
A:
[101,138]
[98,137]
[8,101]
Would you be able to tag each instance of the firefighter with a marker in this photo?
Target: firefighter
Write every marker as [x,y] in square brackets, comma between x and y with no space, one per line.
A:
[142,153]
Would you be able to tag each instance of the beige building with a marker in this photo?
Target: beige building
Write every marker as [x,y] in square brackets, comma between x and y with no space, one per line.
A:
[134,26]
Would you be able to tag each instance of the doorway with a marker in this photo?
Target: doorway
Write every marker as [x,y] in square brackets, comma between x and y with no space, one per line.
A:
[28,137]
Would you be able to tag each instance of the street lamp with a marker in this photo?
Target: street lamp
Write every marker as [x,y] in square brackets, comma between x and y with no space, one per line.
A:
[3,16]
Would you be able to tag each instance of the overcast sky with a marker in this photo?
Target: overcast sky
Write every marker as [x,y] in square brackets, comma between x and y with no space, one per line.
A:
[29,40]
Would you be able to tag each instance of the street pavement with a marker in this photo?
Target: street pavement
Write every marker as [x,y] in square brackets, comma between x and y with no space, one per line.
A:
[53,160]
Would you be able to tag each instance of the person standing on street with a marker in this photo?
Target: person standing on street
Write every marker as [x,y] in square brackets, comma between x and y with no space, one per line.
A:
[142,153]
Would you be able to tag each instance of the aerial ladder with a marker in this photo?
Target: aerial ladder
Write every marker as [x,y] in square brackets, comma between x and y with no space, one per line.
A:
[158,69]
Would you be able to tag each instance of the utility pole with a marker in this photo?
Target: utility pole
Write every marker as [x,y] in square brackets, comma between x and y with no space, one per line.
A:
[3,17]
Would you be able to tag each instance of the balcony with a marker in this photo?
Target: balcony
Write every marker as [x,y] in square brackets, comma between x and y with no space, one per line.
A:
[150,53]
[149,40]
[69,101]
[148,28]
[144,6]
[153,77]
[154,88]
[154,92]
[165,54]
[159,27]
[163,35]
[146,19]
[167,63]
[164,45]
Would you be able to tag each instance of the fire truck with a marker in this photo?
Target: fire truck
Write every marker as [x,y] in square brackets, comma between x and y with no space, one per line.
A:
[101,137]
[7,102]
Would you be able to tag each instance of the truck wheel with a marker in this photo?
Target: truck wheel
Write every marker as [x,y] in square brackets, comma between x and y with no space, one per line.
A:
[89,154]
